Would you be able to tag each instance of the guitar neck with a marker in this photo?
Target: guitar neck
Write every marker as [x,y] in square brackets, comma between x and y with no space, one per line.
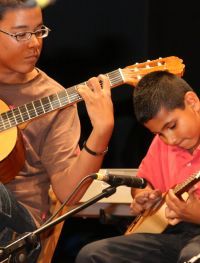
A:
[50,103]
[130,75]
[185,186]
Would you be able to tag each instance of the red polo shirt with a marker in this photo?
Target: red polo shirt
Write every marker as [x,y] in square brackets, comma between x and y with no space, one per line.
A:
[164,166]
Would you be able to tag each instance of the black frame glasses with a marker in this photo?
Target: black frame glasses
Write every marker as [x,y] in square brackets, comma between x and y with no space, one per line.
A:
[24,36]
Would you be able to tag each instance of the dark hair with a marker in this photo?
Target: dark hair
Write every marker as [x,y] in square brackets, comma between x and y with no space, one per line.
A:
[6,5]
[156,90]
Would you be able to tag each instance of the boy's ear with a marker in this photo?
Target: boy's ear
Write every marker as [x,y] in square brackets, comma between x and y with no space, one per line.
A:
[192,100]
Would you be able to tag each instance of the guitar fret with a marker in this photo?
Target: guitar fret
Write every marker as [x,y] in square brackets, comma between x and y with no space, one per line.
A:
[76,97]
[46,105]
[11,118]
[9,123]
[58,101]
[54,101]
[43,111]
[14,116]
[31,110]
[73,94]
[49,103]
[23,113]
[38,107]
[5,120]
[35,109]
[17,115]
[2,126]
[63,98]
[27,112]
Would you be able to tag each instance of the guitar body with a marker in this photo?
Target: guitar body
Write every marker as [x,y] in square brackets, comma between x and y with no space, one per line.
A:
[11,151]
[151,221]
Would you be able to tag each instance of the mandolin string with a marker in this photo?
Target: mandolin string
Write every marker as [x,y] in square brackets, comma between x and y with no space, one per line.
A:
[187,182]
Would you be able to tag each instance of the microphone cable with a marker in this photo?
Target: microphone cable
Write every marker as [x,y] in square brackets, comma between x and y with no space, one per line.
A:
[67,200]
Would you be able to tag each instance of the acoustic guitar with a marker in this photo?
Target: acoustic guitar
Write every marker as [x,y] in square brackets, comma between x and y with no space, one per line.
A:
[153,220]
[11,156]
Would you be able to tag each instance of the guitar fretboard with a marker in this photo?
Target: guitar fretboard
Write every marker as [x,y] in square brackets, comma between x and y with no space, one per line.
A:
[50,103]
[181,188]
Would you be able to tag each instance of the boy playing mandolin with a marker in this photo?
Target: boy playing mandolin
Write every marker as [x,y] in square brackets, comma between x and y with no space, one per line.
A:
[52,154]
[169,108]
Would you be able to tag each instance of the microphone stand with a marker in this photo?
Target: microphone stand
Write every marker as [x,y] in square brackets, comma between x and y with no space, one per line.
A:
[17,251]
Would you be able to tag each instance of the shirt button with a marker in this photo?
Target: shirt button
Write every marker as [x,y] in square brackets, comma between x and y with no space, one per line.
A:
[189,164]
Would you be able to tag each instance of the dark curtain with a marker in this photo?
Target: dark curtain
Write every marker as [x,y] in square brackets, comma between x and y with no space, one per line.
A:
[92,37]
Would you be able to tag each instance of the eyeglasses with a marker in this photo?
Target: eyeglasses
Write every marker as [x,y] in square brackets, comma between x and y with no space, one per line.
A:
[23,36]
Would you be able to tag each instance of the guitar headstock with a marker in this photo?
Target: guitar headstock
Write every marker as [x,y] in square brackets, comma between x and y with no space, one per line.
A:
[132,74]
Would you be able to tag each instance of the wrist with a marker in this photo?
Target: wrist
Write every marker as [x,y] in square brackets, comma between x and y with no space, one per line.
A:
[92,151]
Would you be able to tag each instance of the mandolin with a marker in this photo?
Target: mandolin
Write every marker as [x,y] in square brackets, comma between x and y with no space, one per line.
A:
[11,158]
[153,220]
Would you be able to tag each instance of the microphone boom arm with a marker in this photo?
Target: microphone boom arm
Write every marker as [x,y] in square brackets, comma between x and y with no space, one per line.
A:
[9,253]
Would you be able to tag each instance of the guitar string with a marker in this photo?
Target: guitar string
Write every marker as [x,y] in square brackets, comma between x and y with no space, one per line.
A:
[69,96]
[116,77]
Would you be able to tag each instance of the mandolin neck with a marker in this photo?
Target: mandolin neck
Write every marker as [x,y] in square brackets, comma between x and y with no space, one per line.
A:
[50,103]
[187,184]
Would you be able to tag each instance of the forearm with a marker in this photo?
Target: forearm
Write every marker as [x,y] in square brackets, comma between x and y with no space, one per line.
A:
[100,111]
[85,164]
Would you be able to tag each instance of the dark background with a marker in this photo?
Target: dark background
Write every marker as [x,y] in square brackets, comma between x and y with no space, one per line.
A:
[91,37]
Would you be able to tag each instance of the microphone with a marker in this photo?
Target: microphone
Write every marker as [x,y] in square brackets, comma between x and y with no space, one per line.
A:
[117,180]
